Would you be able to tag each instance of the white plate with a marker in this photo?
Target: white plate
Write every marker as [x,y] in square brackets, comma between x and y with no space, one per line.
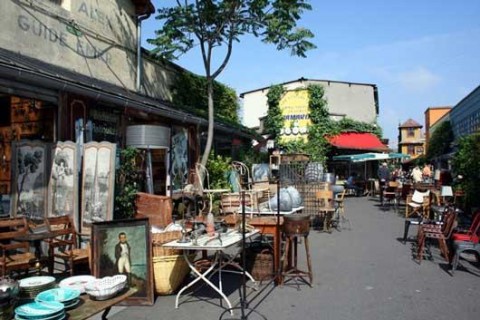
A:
[76,282]
[33,282]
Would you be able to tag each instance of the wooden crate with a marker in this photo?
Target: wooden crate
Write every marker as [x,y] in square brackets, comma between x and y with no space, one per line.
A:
[157,208]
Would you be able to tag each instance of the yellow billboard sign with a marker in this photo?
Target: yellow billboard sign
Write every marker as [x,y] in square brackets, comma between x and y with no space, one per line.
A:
[295,111]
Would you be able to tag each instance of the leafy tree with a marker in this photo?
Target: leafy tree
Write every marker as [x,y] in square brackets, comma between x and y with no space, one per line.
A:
[466,162]
[214,26]
[189,90]
[440,140]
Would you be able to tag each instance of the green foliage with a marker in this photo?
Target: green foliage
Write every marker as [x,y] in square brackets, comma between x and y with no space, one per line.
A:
[350,125]
[466,162]
[274,120]
[218,167]
[190,90]
[216,25]
[249,156]
[127,184]
[322,126]
[440,140]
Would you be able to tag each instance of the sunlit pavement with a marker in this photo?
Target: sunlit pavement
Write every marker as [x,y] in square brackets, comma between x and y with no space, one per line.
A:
[362,273]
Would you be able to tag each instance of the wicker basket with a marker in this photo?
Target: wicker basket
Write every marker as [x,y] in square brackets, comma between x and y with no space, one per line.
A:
[169,265]
[158,239]
[168,273]
[260,261]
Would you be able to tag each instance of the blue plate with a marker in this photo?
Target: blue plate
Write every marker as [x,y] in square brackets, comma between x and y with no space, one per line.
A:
[42,310]
[63,295]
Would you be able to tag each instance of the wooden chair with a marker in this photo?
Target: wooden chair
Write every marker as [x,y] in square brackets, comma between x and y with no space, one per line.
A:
[390,194]
[440,232]
[325,207]
[64,246]
[15,255]
[340,209]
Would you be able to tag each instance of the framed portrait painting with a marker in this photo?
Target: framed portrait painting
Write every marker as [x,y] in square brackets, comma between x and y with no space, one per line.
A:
[63,182]
[29,175]
[98,182]
[124,247]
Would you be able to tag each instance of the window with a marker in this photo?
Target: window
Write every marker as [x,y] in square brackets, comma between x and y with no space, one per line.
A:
[411,150]
[410,132]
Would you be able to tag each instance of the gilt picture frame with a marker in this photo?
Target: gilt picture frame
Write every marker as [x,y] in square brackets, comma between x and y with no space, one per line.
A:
[124,247]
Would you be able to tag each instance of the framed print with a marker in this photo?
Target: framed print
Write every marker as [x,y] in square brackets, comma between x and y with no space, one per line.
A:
[124,247]
[98,183]
[179,158]
[29,179]
[63,182]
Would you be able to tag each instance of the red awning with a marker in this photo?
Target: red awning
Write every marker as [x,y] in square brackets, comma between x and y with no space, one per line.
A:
[357,141]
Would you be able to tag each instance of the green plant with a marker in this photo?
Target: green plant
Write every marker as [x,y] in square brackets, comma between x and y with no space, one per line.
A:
[190,92]
[439,143]
[126,184]
[274,120]
[466,162]
[217,167]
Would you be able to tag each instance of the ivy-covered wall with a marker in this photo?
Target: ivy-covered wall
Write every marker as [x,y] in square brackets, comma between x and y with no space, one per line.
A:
[190,91]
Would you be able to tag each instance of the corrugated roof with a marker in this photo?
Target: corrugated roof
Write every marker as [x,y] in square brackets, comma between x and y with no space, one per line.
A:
[410,123]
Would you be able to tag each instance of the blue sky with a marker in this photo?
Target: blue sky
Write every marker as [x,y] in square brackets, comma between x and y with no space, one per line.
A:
[420,53]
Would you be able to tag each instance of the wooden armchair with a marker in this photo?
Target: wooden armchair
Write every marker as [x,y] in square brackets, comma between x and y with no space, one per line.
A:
[15,255]
[64,246]
[418,204]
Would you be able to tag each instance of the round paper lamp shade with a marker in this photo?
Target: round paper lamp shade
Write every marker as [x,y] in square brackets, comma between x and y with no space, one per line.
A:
[148,137]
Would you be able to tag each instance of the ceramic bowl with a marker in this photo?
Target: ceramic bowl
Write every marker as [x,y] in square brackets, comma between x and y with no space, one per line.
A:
[63,295]
[76,282]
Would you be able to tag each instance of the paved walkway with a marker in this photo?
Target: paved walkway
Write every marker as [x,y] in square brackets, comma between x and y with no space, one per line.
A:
[363,273]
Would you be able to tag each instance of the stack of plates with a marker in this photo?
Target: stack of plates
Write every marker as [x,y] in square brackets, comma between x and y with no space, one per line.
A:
[41,311]
[66,296]
[76,282]
[30,287]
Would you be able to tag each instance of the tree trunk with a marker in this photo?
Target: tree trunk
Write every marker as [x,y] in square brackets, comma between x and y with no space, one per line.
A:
[208,146]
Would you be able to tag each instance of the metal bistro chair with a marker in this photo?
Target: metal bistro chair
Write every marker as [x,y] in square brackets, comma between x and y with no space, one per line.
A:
[466,242]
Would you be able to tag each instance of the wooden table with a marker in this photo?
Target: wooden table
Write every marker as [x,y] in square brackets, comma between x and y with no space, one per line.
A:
[268,226]
[89,307]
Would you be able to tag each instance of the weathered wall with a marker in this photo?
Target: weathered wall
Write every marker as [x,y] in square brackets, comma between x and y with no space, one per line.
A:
[96,38]
[356,101]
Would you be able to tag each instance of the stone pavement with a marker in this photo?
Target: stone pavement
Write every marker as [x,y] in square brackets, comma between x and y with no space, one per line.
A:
[362,273]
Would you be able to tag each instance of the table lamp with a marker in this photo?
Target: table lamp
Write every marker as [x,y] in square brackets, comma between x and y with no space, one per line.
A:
[446,192]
